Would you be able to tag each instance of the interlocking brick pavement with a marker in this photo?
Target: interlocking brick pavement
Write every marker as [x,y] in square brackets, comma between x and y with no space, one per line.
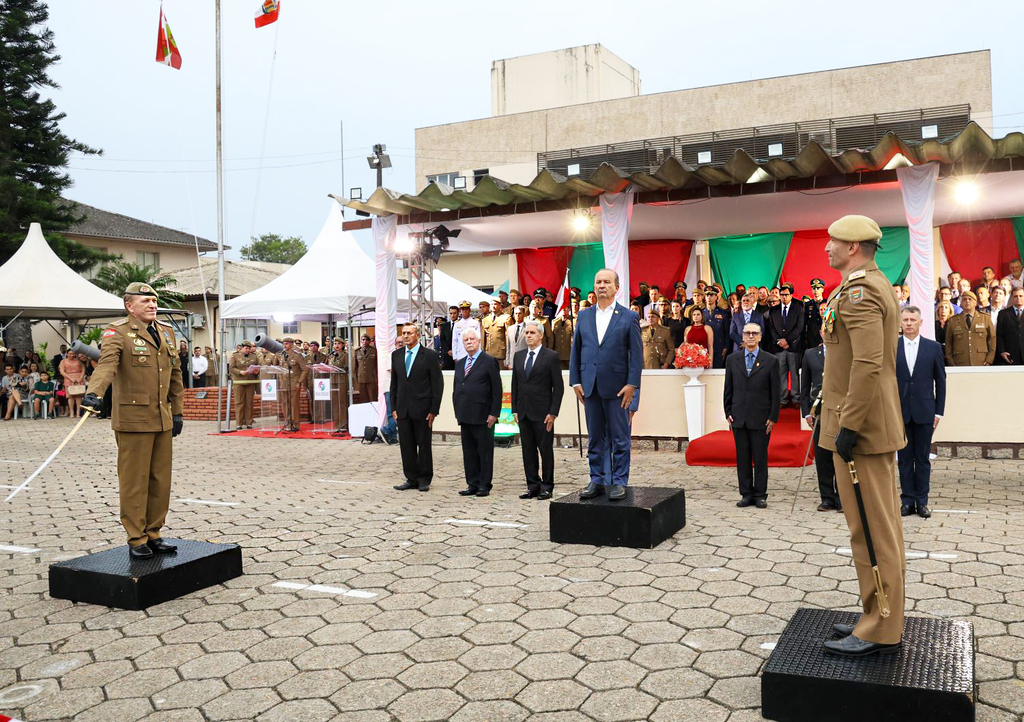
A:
[466,622]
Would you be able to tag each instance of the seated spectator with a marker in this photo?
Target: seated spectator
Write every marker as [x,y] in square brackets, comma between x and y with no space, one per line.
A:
[33,373]
[943,312]
[6,384]
[43,394]
[18,391]
[1016,276]
[698,332]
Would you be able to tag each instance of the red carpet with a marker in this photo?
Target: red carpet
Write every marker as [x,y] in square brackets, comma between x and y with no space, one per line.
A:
[787,446]
[305,432]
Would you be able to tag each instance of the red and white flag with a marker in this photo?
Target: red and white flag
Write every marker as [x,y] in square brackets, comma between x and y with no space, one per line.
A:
[166,49]
[268,12]
[564,294]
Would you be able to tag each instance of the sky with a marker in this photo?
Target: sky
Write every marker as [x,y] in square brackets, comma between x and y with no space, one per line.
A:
[386,68]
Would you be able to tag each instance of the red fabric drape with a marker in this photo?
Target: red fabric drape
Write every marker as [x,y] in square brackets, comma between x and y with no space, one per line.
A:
[542,268]
[806,260]
[971,246]
[658,263]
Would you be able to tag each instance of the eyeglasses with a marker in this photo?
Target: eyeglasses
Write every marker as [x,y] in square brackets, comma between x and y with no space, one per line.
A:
[751,333]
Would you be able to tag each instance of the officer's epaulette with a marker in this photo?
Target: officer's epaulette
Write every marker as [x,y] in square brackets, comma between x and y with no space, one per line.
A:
[163,323]
[857,274]
[119,322]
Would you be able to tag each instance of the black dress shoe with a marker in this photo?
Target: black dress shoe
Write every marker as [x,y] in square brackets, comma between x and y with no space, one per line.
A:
[745,502]
[423,488]
[592,490]
[142,551]
[850,646]
[406,486]
[617,492]
[907,510]
[924,512]
[761,504]
[483,492]
[843,630]
[159,546]
[544,495]
[468,492]
[529,495]
[825,506]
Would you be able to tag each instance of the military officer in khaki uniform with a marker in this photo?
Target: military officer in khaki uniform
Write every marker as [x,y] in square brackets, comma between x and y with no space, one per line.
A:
[970,335]
[659,353]
[862,422]
[339,385]
[561,332]
[291,382]
[140,358]
[244,383]
[537,314]
[496,341]
[365,361]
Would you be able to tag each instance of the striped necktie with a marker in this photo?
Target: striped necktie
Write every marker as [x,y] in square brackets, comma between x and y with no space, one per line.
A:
[469,366]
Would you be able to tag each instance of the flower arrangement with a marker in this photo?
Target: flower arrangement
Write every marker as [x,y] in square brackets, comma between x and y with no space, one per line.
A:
[692,356]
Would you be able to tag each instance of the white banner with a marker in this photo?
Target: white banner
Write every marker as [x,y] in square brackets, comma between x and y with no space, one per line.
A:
[322,389]
[268,389]
[385,314]
[917,184]
[616,215]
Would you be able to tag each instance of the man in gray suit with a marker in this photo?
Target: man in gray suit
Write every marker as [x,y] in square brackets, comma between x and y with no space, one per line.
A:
[516,336]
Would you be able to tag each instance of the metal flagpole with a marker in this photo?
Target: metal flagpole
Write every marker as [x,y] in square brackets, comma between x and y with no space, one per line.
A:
[222,363]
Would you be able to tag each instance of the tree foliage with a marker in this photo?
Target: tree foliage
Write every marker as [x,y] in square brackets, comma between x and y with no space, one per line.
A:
[272,248]
[33,150]
[115,276]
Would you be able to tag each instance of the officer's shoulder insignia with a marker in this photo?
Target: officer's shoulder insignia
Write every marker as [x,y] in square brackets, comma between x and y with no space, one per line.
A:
[856,294]
[120,322]
[857,274]
[109,332]
[163,323]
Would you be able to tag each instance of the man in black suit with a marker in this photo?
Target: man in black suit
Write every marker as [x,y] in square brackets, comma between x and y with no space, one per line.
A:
[416,386]
[746,314]
[536,398]
[445,338]
[477,400]
[921,379]
[1010,331]
[787,329]
[811,372]
[752,407]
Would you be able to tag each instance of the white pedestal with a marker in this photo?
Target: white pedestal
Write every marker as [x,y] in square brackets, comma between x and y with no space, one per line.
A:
[693,395]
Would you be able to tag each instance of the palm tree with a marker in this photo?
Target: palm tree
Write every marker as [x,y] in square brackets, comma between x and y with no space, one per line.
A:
[115,276]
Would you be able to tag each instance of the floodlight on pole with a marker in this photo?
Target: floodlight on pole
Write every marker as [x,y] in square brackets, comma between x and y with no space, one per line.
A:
[966,192]
[379,161]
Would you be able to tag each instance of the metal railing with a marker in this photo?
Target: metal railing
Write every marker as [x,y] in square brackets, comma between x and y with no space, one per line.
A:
[763,143]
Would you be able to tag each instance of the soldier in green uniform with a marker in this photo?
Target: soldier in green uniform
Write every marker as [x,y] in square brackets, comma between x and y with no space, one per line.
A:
[562,329]
[364,359]
[862,422]
[659,353]
[243,383]
[292,382]
[140,359]
[339,385]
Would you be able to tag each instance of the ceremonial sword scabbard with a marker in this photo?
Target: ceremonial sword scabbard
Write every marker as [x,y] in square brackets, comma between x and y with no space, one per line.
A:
[883,600]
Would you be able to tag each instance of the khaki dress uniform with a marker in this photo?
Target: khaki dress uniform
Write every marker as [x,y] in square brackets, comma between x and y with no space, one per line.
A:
[974,346]
[365,360]
[148,393]
[244,385]
[549,336]
[291,383]
[859,392]
[658,348]
[496,339]
[339,390]
[561,333]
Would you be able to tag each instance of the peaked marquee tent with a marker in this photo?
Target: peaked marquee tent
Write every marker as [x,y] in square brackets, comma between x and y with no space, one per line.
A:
[337,278]
[40,286]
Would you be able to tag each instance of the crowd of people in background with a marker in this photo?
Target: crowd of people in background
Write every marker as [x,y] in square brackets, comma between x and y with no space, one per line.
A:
[34,387]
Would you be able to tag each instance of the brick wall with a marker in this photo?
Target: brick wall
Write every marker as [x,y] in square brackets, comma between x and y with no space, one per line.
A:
[206,409]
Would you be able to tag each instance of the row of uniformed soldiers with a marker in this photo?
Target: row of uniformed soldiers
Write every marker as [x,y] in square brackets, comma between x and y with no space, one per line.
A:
[501,330]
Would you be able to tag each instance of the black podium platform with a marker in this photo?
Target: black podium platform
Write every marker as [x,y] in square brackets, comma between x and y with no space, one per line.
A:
[113,579]
[930,678]
[643,520]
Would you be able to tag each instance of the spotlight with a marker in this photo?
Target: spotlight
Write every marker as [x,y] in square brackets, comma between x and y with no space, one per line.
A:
[404,245]
[582,222]
[965,192]
[443,233]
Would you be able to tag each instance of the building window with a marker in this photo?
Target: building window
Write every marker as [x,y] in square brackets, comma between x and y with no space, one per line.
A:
[290,328]
[480,174]
[447,179]
[94,271]
[243,329]
[145,258]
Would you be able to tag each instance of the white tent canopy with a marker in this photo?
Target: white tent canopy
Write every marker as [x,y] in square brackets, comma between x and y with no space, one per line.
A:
[40,286]
[336,278]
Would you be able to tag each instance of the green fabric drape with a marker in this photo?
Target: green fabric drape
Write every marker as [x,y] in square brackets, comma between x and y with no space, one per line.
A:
[753,260]
[586,261]
[1018,230]
[893,258]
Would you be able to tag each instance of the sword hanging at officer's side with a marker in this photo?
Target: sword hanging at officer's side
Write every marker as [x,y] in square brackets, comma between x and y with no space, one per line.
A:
[816,413]
[883,601]
[52,456]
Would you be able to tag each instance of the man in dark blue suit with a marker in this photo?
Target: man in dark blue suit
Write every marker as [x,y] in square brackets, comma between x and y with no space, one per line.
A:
[476,397]
[604,371]
[921,378]
[746,314]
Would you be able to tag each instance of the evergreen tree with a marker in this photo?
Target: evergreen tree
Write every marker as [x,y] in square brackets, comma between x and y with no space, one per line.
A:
[272,248]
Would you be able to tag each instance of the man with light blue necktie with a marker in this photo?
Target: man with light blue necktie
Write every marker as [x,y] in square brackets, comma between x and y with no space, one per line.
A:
[416,387]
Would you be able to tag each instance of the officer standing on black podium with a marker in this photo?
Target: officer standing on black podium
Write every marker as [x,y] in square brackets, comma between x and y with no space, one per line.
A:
[862,422]
[140,359]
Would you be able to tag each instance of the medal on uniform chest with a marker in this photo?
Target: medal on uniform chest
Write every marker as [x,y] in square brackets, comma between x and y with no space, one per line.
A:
[830,319]
[131,334]
[140,342]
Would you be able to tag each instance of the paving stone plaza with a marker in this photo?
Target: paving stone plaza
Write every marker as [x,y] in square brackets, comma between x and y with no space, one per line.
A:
[360,603]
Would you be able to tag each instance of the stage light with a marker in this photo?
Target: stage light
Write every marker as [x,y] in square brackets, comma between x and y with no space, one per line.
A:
[582,222]
[283,317]
[404,245]
[965,192]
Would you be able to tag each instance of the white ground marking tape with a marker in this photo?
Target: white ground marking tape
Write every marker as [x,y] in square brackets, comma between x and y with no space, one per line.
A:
[768,645]
[9,486]
[326,589]
[14,461]
[212,503]
[910,554]
[19,550]
[340,481]
[955,511]
[473,522]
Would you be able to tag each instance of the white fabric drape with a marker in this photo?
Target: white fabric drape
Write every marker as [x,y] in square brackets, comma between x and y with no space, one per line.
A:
[387,303]
[917,184]
[616,215]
